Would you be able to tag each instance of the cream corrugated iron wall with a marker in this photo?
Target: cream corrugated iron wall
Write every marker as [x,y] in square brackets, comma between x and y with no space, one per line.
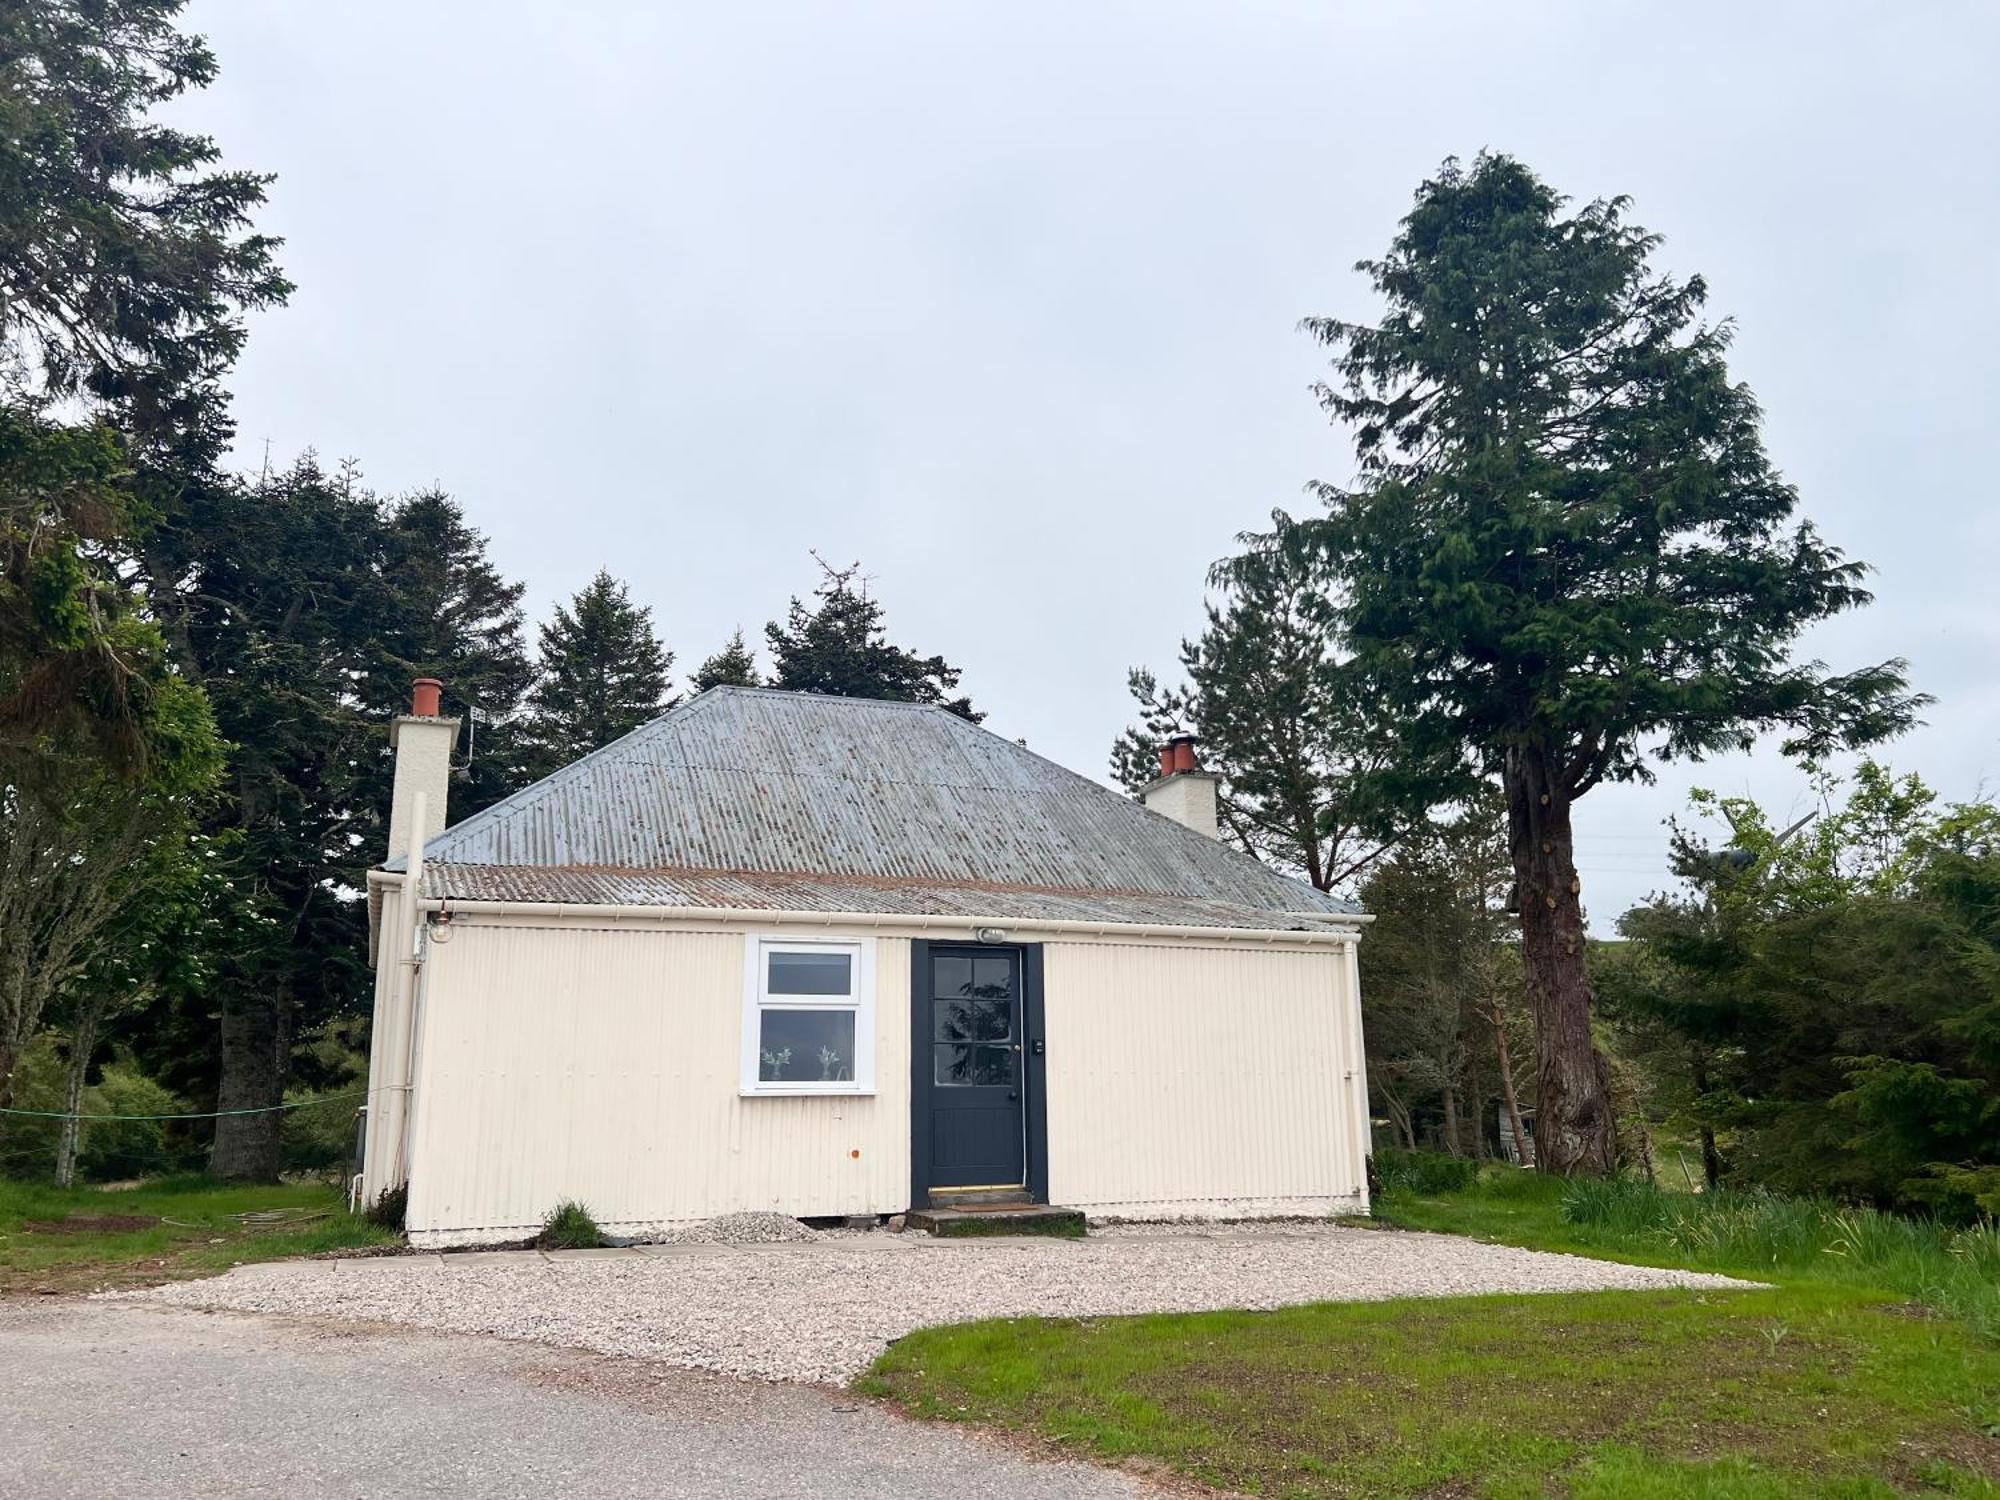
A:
[602,1064]
[1188,1080]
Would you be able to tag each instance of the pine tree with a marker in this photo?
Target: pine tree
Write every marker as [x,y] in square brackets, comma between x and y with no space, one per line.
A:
[1270,701]
[839,648]
[1567,554]
[602,674]
[452,616]
[127,261]
[303,606]
[732,666]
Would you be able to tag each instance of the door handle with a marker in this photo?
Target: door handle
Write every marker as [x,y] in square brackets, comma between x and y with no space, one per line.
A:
[1013,1093]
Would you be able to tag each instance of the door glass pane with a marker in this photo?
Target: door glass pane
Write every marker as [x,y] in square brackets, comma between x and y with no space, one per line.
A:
[972,1020]
[963,1066]
[992,978]
[810,973]
[951,976]
[806,1046]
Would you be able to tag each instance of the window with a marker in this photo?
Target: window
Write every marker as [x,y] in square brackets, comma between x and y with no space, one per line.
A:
[973,1011]
[808,1016]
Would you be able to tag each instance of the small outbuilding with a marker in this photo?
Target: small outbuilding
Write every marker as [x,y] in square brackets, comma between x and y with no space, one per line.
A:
[842,957]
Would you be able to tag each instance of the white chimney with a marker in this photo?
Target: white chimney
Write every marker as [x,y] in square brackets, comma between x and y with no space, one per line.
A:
[1184,792]
[422,740]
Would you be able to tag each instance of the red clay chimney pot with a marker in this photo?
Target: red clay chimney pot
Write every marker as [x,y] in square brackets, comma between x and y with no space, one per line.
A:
[424,697]
[1166,761]
[1183,749]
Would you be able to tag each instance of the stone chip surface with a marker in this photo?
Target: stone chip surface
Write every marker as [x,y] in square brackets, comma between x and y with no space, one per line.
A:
[822,1311]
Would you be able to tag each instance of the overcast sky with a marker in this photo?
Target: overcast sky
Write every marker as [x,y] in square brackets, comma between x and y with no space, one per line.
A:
[1001,299]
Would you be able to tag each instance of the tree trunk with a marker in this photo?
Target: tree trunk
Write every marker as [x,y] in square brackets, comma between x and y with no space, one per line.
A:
[1475,1106]
[1711,1155]
[1573,1124]
[255,1043]
[1523,1147]
[82,1042]
[1452,1141]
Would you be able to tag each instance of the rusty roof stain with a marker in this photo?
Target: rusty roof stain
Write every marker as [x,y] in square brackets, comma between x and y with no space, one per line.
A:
[754,799]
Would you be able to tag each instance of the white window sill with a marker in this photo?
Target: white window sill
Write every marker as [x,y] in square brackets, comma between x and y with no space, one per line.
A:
[806,1091]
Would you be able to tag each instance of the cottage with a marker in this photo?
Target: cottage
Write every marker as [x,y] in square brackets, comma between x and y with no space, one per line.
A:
[832,956]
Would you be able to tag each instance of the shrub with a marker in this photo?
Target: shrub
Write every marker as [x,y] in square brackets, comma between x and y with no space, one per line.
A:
[1426,1173]
[569,1226]
[390,1209]
[112,1150]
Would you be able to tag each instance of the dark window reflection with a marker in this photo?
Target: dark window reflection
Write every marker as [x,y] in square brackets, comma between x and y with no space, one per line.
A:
[811,974]
[972,1020]
[973,1066]
[951,977]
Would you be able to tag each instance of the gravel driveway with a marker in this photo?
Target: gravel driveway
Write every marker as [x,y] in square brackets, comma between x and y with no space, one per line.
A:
[823,1311]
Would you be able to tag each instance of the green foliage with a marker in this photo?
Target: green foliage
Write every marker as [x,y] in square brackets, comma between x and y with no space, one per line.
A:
[117,1150]
[569,1226]
[1567,537]
[1825,1006]
[1272,705]
[109,1150]
[126,262]
[839,647]
[1566,553]
[126,255]
[443,610]
[106,883]
[79,663]
[601,675]
[391,1208]
[303,605]
[331,1062]
[1439,986]
[735,665]
[1423,1172]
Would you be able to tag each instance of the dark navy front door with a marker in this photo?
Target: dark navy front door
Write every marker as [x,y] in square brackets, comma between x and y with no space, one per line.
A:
[973,1037]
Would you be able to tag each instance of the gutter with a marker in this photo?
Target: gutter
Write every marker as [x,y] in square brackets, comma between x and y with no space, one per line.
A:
[1348,931]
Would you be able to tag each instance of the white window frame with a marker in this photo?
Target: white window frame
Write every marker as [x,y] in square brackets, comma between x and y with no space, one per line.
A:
[756,1000]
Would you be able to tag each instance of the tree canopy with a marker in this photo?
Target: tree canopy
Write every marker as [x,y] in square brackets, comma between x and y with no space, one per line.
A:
[1566,551]
[1824,1009]
[733,666]
[601,674]
[840,646]
[1270,699]
[127,260]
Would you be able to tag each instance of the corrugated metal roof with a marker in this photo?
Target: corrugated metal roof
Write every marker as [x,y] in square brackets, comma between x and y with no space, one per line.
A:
[757,799]
[753,890]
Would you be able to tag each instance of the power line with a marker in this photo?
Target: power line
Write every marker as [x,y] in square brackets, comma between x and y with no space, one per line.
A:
[213,1114]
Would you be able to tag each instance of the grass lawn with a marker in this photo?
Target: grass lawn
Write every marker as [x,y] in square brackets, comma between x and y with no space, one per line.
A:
[85,1239]
[1822,1385]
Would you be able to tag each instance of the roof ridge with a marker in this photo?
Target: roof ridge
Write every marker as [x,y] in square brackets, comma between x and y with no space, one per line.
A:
[763,691]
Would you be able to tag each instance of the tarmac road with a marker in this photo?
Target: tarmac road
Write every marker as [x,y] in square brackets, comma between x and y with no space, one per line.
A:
[115,1400]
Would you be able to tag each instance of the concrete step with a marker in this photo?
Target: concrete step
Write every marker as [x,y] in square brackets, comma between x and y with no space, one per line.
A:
[1029,1218]
[1007,1197]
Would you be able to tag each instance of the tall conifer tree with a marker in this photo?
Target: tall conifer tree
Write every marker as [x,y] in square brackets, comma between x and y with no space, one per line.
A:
[1566,554]
[840,647]
[602,674]
[732,666]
